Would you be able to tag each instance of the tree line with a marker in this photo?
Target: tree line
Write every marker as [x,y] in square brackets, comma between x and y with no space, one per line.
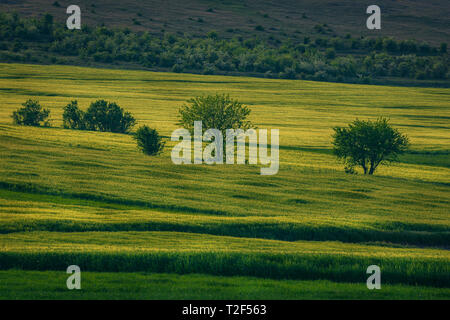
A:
[340,58]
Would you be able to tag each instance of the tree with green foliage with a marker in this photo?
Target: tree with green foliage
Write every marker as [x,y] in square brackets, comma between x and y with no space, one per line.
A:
[368,144]
[32,114]
[217,111]
[108,116]
[149,141]
[73,117]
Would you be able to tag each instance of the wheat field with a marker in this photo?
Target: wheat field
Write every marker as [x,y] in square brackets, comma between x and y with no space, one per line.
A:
[92,199]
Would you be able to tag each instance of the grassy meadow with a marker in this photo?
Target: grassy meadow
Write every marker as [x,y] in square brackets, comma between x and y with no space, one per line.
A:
[141,227]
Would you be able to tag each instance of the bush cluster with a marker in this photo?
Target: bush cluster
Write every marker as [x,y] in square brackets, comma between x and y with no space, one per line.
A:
[100,116]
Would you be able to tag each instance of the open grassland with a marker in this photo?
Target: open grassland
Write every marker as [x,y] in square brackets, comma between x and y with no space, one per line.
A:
[91,198]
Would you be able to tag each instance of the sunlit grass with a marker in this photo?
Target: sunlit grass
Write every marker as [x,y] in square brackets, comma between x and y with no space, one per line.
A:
[219,255]
[110,207]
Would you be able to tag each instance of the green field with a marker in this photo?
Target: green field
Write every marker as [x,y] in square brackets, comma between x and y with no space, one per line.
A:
[221,231]
[138,285]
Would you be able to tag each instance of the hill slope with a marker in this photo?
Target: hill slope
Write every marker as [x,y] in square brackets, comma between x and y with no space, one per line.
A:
[407,19]
[92,199]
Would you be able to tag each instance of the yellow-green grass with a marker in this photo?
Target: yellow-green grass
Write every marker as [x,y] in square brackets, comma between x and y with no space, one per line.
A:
[20,284]
[304,109]
[76,182]
[73,213]
[299,202]
[221,255]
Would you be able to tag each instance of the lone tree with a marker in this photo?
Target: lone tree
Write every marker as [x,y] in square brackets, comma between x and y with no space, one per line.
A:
[32,114]
[217,111]
[368,144]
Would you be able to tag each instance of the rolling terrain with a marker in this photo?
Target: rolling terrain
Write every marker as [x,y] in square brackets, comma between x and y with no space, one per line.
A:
[307,40]
[92,199]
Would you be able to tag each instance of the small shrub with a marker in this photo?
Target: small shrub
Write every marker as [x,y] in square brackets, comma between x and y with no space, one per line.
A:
[149,141]
[32,114]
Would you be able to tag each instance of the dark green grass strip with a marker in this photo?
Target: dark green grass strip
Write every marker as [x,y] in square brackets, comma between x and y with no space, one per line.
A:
[273,231]
[36,189]
[20,284]
[428,272]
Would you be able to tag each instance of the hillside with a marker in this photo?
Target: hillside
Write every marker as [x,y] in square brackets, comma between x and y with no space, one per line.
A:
[92,199]
[407,19]
[323,56]
[142,227]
